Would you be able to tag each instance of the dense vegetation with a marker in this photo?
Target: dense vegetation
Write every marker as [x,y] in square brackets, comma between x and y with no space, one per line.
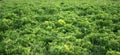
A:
[59,27]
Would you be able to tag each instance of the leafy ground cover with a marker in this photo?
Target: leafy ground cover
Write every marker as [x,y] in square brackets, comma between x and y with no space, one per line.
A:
[59,27]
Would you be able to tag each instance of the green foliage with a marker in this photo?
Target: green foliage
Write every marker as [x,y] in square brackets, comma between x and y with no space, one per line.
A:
[59,27]
[111,52]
